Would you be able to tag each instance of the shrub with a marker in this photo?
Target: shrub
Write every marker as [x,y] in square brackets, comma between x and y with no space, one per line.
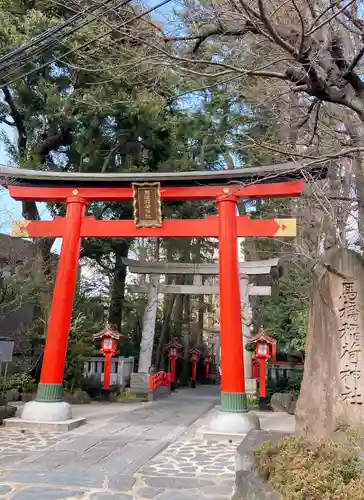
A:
[77,398]
[276,386]
[294,382]
[117,389]
[290,384]
[300,470]
[126,395]
[92,385]
[252,401]
[20,381]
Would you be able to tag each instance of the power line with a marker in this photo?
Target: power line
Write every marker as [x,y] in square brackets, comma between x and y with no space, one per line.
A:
[50,32]
[46,45]
[86,44]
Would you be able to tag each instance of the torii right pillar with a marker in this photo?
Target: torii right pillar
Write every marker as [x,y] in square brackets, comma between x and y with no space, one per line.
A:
[234,417]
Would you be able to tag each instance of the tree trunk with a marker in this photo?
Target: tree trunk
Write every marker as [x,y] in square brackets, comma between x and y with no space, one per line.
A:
[118,287]
[149,321]
[201,314]
[356,131]
[186,338]
[169,302]
[178,313]
[200,298]
[359,181]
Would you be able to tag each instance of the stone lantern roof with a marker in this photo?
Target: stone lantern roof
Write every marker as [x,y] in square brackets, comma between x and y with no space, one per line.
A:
[110,333]
[173,343]
[261,336]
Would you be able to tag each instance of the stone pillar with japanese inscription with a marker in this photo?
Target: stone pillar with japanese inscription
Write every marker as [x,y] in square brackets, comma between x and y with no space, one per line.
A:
[332,391]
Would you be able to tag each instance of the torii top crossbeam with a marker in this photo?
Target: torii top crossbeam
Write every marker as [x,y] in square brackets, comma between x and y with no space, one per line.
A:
[248,183]
[269,174]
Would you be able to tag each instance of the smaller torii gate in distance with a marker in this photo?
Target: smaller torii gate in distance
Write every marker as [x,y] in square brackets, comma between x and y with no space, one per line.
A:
[147,191]
[197,270]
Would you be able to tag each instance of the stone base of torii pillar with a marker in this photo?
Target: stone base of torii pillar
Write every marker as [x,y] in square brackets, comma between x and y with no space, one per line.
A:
[37,410]
[229,426]
[53,416]
[224,425]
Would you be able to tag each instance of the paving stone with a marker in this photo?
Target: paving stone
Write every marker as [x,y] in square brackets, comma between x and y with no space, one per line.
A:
[148,493]
[218,489]
[227,480]
[148,470]
[213,470]
[82,480]
[7,461]
[38,493]
[105,495]
[121,482]
[168,467]
[4,488]
[214,497]
[188,469]
[176,483]
[179,495]
[210,476]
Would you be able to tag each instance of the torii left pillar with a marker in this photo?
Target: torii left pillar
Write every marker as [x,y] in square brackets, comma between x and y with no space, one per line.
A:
[48,404]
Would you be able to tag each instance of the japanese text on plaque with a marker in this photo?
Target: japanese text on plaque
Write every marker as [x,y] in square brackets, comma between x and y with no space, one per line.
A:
[147,205]
[350,372]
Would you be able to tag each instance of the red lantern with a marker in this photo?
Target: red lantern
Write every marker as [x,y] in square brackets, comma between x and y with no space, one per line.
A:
[173,352]
[207,362]
[109,347]
[108,344]
[173,349]
[265,348]
[195,356]
[262,350]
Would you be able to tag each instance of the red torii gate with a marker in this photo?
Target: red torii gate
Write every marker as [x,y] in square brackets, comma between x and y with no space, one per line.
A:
[227,227]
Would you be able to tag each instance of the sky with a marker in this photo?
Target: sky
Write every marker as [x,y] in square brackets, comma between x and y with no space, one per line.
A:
[10,209]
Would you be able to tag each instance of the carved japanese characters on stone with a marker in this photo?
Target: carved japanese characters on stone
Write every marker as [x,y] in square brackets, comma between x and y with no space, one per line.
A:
[349,332]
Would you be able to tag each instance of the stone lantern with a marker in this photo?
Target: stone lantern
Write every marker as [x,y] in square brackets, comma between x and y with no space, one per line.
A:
[207,362]
[109,347]
[195,356]
[173,349]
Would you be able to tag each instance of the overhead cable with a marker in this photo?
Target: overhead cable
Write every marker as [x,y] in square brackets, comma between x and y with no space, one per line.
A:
[50,32]
[86,44]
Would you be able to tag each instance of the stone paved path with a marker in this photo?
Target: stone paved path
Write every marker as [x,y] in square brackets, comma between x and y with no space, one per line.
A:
[135,451]
[14,441]
[191,469]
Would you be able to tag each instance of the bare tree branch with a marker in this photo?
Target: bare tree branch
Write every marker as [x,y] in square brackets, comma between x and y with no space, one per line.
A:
[309,111]
[329,19]
[302,22]
[273,33]
[354,62]
[315,125]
